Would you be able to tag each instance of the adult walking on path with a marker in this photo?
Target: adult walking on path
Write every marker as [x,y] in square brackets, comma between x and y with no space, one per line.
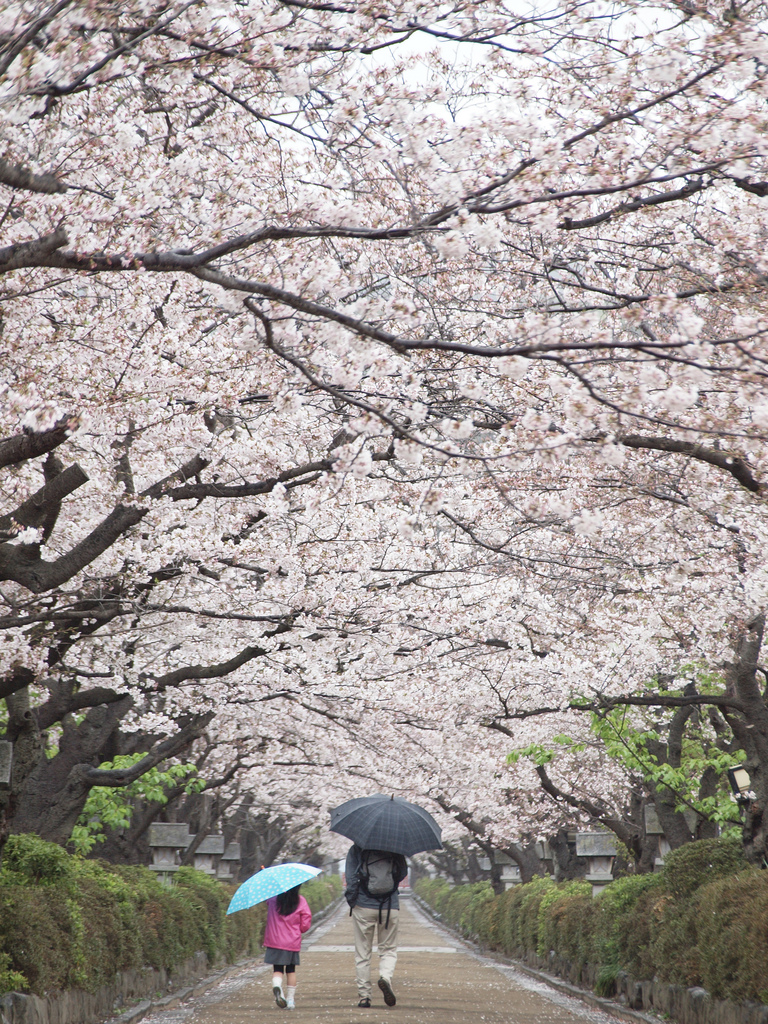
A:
[373,877]
[441,982]
[384,830]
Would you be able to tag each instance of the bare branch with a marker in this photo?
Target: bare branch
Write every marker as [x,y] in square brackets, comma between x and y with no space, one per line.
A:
[29,446]
[31,254]
[16,176]
[733,464]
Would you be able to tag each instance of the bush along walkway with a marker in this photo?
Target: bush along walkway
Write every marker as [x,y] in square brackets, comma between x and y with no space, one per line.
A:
[689,943]
[79,938]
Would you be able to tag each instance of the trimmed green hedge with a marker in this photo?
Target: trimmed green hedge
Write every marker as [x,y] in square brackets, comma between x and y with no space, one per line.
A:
[703,920]
[72,923]
[320,892]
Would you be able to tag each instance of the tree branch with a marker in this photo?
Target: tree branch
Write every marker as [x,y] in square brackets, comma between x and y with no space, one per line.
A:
[31,254]
[659,700]
[119,777]
[568,224]
[15,46]
[38,575]
[16,176]
[16,680]
[191,469]
[58,706]
[223,668]
[21,447]
[215,490]
[733,464]
[35,509]
[618,827]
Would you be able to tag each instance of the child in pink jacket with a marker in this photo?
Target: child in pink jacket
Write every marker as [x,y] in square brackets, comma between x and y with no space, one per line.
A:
[288,917]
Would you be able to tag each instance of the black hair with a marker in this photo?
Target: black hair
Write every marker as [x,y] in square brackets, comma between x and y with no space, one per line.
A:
[287,902]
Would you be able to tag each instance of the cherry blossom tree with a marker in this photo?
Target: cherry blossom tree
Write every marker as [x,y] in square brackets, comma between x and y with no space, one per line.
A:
[387,374]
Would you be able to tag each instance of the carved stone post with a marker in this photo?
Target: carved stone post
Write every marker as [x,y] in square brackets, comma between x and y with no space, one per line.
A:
[166,841]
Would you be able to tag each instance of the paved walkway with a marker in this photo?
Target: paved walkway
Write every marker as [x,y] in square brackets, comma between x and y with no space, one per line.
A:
[438,980]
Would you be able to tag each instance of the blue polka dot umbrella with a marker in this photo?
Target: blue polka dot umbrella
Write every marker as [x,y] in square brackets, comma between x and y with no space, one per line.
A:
[270,882]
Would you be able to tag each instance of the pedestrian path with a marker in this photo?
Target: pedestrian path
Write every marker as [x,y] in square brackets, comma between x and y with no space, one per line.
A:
[438,980]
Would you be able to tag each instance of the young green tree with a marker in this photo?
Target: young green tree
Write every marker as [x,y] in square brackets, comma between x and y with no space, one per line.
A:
[113,808]
[675,760]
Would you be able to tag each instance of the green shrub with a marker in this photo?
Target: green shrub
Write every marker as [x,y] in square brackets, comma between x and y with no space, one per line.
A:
[462,904]
[481,897]
[319,892]
[672,946]
[557,907]
[703,920]
[34,935]
[622,934]
[10,980]
[487,921]
[523,924]
[691,866]
[497,920]
[71,923]
[209,901]
[732,916]
[435,891]
[32,860]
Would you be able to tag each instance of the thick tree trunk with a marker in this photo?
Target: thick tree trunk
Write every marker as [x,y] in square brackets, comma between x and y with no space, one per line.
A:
[676,830]
[474,872]
[750,726]
[458,863]
[527,859]
[48,794]
[497,882]
[567,865]
[261,842]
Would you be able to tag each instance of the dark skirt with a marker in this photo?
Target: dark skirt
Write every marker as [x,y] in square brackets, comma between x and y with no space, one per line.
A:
[281,957]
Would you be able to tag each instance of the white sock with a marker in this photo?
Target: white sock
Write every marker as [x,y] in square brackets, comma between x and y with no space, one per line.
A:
[290,995]
[277,981]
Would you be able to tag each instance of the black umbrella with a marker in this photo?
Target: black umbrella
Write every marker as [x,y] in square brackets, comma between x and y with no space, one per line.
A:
[388,823]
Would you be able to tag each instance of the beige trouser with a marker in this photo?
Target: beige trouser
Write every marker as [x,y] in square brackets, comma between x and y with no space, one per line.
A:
[365,922]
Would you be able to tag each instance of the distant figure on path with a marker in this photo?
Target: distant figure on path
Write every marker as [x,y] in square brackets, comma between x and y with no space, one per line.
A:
[288,917]
[372,880]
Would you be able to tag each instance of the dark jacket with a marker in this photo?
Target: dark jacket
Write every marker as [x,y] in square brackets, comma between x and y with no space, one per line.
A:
[353,893]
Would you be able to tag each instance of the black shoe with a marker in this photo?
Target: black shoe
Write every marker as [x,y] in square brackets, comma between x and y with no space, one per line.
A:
[386,988]
[365,1003]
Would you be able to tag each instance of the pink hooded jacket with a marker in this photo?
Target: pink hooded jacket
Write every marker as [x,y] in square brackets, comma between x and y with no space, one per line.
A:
[285,932]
